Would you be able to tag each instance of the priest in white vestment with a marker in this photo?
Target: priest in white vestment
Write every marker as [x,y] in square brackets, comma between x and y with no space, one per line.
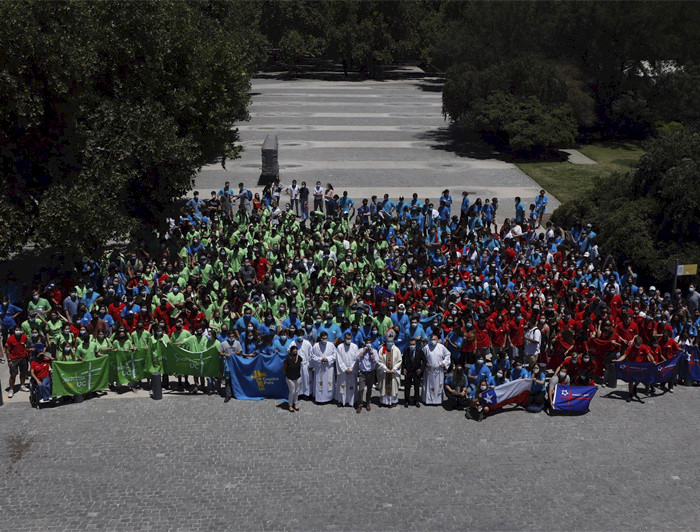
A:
[437,360]
[323,355]
[306,387]
[346,372]
[389,371]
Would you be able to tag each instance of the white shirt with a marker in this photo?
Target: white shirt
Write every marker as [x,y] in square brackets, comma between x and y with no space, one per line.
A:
[533,348]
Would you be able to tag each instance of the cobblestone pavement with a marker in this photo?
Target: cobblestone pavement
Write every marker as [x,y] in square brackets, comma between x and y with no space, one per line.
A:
[195,463]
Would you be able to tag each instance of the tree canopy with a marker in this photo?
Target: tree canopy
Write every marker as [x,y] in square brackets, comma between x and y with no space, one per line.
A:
[110,109]
[651,215]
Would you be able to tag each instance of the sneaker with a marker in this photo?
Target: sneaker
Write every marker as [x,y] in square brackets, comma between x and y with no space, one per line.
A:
[10,394]
[23,388]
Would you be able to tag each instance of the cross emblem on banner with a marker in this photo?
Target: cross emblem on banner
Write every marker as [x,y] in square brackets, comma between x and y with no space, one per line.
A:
[89,373]
[258,377]
[133,364]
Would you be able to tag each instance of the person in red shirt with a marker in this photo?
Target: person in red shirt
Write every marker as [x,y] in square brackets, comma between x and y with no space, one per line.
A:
[668,348]
[482,329]
[637,352]
[17,359]
[40,371]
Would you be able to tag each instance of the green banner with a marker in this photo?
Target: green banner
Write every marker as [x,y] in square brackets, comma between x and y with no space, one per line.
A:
[178,361]
[154,358]
[127,366]
[78,378]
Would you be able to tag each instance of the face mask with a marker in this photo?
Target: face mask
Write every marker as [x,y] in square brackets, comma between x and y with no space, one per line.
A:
[562,375]
[283,338]
[249,329]
[66,331]
[482,388]
[433,343]
[323,342]
[479,362]
[34,336]
[390,345]
[348,342]
[176,290]
[586,359]
[66,349]
[18,333]
[499,375]
[308,328]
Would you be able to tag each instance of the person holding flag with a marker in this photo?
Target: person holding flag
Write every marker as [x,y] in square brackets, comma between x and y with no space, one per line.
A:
[637,352]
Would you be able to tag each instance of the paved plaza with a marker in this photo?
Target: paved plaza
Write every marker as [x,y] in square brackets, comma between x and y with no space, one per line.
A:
[366,137]
[195,463]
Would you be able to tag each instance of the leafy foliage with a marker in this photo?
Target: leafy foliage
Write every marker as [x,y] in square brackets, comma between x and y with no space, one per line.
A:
[110,108]
[651,215]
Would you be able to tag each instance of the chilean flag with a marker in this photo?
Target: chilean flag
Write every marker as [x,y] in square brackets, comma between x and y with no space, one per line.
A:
[573,398]
[513,392]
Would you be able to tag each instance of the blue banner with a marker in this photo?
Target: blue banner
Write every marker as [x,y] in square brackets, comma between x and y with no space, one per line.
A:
[382,293]
[573,398]
[666,370]
[692,354]
[646,372]
[259,377]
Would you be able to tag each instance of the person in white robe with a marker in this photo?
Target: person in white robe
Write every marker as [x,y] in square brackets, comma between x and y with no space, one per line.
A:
[346,372]
[304,349]
[323,355]
[389,371]
[437,360]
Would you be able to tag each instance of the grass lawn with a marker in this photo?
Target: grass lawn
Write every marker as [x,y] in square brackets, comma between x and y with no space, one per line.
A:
[566,181]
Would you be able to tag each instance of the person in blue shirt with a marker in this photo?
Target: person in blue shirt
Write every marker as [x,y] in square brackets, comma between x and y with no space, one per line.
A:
[388,206]
[281,343]
[464,210]
[455,385]
[447,200]
[242,322]
[478,372]
[536,401]
[502,362]
[519,371]
[346,204]
[541,206]
[499,377]
[519,211]
[330,327]
[487,213]
[195,203]
[401,320]
[8,314]
[292,319]
[89,298]
[477,410]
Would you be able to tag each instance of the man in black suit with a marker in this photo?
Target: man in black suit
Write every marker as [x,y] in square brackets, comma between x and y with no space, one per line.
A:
[413,364]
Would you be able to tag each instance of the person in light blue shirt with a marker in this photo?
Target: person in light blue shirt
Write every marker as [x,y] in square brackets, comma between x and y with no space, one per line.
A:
[541,206]
[519,211]
[388,206]
[401,320]
[244,320]
[89,298]
[447,200]
[194,203]
[292,319]
[345,203]
[465,205]
[281,343]
[502,363]
[478,372]
[519,371]
[331,328]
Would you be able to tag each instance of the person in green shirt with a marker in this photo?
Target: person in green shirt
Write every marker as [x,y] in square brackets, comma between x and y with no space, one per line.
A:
[198,343]
[37,305]
[179,337]
[86,348]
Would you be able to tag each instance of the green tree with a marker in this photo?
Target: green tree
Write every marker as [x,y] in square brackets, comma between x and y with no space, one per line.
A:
[110,109]
[650,215]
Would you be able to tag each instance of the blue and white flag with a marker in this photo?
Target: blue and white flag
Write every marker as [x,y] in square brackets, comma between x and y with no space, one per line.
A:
[646,372]
[665,370]
[259,377]
[573,398]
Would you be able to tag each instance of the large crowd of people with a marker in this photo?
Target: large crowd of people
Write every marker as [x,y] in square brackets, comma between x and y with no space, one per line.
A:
[445,298]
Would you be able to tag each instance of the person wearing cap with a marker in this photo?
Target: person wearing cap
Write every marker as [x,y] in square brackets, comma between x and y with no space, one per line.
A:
[366,364]
[323,356]
[401,320]
[437,361]
[389,364]
[346,372]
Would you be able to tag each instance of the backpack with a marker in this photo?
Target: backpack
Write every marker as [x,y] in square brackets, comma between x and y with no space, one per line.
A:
[249,195]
